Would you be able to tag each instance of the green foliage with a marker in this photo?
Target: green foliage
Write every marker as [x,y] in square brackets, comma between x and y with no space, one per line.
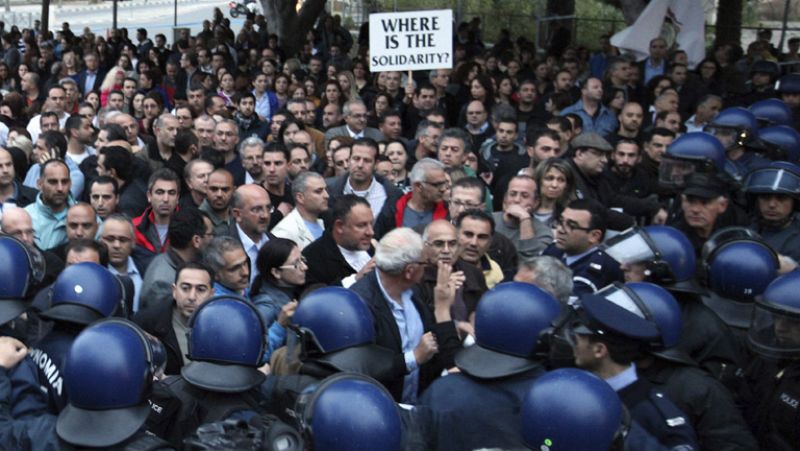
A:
[519,16]
[597,19]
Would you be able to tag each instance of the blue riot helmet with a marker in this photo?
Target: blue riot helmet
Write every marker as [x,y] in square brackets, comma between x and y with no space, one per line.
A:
[226,345]
[349,412]
[663,254]
[655,303]
[336,328]
[788,84]
[690,153]
[778,177]
[737,272]
[784,140]
[84,293]
[775,328]
[771,112]
[734,127]
[108,376]
[512,322]
[23,267]
[571,410]
[616,320]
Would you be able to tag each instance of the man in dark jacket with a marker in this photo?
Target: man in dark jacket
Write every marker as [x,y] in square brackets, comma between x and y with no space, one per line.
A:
[168,321]
[424,339]
[343,254]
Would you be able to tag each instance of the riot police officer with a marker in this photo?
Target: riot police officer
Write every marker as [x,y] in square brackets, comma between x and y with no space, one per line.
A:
[108,372]
[737,130]
[349,412]
[608,335]
[226,345]
[771,112]
[82,294]
[737,267]
[479,406]
[664,256]
[332,331]
[775,192]
[572,410]
[788,87]
[785,141]
[775,336]
[708,405]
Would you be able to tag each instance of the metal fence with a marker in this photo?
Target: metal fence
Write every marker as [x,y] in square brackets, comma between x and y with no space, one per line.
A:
[21,20]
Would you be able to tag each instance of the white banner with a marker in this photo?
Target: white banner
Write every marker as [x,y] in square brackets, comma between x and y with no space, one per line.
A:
[412,40]
[678,21]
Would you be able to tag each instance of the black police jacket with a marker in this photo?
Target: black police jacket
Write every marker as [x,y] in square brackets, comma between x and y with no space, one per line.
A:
[658,415]
[708,405]
[776,411]
[468,413]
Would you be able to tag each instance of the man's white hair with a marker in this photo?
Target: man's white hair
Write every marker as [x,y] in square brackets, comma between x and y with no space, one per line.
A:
[398,248]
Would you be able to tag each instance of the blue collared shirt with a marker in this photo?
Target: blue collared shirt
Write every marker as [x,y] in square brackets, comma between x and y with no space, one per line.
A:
[623,379]
[135,276]
[409,324]
[604,122]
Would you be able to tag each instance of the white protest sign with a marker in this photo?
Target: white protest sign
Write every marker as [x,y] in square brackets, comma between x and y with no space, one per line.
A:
[412,40]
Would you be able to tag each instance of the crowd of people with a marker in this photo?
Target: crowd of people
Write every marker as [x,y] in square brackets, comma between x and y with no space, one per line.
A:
[217,245]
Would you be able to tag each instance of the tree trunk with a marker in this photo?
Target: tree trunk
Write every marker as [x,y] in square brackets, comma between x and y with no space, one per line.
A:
[559,33]
[290,25]
[729,22]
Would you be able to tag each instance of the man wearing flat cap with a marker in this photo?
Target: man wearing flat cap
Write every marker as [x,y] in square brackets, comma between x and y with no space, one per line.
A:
[706,207]
[590,162]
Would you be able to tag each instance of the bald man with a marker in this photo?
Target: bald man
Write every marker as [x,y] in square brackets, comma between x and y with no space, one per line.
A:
[18,223]
[82,224]
[440,243]
[251,209]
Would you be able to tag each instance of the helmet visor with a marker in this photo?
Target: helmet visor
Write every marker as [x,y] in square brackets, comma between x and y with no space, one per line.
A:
[632,246]
[773,180]
[728,136]
[673,173]
[774,333]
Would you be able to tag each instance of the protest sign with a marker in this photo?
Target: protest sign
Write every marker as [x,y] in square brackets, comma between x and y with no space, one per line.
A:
[413,40]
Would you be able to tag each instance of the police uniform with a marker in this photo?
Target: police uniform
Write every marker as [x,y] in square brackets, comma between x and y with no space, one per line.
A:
[784,240]
[469,413]
[48,357]
[590,272]
[708,405]
[776,412]
[603,319]
[707,339]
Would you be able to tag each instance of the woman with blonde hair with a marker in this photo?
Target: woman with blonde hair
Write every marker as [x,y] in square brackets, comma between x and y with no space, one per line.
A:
[347,81]
[112,82]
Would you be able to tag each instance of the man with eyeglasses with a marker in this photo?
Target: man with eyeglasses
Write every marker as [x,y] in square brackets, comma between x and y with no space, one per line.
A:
[355,118]
[421,206]
[423,339]
[226,138]
[578,233]
[251,208]
[118,235]
[440,240]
